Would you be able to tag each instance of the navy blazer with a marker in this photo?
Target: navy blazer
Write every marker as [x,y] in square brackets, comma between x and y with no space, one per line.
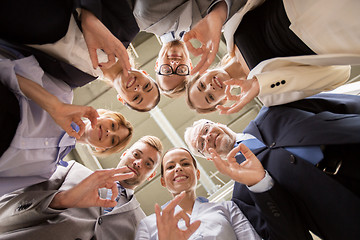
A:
[303,197]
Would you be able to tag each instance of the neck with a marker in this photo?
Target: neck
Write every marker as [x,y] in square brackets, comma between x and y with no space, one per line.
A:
[129,186]
[234,69]
[187,203]
[112,72]
[82,139]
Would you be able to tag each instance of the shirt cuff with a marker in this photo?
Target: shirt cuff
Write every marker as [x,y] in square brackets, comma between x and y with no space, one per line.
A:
[264,185]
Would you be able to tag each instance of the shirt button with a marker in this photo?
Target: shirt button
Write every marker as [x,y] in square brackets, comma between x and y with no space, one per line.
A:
[100,220]
[292,159]
[272,145]
[46,143]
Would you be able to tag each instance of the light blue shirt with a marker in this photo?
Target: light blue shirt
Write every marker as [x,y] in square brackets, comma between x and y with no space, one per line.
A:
[33,154]
[267,182]
[223,221]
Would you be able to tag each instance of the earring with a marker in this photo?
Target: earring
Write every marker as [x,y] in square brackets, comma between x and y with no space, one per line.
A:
[120,99]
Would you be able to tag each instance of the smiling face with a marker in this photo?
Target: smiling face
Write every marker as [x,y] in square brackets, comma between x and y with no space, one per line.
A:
[179,172]
[172,55]
[207,135]
[107,133]
[208,90]
[138,90]
[141,159]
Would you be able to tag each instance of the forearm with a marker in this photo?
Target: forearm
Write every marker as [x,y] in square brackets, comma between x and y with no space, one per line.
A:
[15,206]
[38,94]
[220,10]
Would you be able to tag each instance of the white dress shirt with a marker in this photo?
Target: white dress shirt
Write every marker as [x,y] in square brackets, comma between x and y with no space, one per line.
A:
[73,50]
[34,152]
[223,221]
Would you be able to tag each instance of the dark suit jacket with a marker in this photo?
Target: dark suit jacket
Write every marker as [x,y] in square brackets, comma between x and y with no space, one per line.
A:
[303,197]
[45,21]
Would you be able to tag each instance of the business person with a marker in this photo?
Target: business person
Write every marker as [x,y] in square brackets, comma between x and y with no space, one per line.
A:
[221,220]
[76,203]
[48,124]
[309,149]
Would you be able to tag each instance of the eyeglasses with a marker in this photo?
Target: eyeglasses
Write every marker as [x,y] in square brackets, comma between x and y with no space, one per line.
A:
[201,139]
[181,70]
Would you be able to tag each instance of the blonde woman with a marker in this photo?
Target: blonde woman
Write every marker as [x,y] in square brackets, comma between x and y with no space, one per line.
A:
[49,125]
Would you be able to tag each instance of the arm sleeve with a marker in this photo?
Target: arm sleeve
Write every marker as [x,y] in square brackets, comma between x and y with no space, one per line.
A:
[271,213]
[294,82]
[30,206]
[335,103]
[142,231]
[242,227]
[117,16]
[264,185]
[27,67]
[22,209]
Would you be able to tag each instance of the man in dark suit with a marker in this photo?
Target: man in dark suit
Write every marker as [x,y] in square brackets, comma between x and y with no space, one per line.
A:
[309,149]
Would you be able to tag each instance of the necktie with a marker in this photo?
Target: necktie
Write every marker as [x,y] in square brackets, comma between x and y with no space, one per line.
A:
[253,144]
[121,197]
[312,154]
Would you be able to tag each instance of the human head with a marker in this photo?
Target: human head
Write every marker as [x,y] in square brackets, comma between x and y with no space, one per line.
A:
[205,92]
[111,133]
[205,134]
[138,91]
[142,158]
[173,57]
[179,171]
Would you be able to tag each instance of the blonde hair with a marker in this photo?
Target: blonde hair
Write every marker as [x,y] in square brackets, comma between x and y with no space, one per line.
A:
[177,91]
[122,121]
[191,104]
[153,142]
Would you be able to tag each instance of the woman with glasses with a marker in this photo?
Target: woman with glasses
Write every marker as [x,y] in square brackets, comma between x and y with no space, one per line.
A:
[221,220]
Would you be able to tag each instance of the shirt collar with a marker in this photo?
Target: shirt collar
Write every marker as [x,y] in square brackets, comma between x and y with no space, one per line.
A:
[243,136]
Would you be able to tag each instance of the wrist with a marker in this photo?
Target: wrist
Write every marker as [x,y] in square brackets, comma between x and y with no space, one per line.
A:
[220,10]
[58,201]
[256,85]
[53,105]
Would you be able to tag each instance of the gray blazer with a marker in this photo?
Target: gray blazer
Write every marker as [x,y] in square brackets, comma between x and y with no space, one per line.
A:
[25,214]
[160,17]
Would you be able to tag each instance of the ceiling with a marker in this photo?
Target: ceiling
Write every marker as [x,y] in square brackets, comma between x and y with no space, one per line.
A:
[173,114]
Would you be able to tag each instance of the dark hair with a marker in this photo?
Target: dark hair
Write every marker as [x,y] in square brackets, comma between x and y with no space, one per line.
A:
[172,149]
